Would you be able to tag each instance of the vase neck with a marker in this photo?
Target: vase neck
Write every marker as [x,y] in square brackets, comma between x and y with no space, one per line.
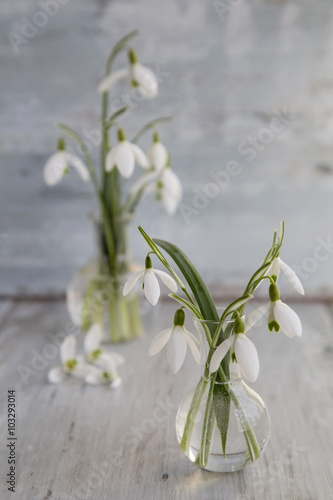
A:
[120,232]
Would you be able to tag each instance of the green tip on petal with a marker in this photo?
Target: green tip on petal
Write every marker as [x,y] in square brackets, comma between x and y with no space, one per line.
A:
[148,263]
[61,144]
[96,354]
[179,318]
[132,56]
[71,363]
[274,292]
[121,135]
[233,357]
[273,325]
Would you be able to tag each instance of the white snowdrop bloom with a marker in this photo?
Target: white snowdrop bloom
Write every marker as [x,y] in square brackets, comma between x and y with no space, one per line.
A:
[124,155]
[158,155]
[151,285]
[290,274]
[106,361]
[177,339]
[242,349]
[170,190]
[139,77]
[58,165]
[71,364]
[280,315]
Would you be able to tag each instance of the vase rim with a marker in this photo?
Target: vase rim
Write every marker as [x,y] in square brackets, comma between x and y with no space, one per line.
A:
[236,380]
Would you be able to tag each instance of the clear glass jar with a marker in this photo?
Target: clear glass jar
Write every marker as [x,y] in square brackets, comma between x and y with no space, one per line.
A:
[95,291]
[219,414]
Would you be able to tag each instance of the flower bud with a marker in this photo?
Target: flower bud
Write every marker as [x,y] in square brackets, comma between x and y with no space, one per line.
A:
[274,292]
[179,318]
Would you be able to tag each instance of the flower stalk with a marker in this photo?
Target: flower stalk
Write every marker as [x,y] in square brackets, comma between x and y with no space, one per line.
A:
[118,158]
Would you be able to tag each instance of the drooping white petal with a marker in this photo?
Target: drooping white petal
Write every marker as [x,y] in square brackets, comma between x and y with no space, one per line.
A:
[78,164]
[158,156]
[115,383]
[288,320]
[113,357]
[254,316]
[93,338]
[112,79]
[131,282]
[145,179]
[124,158]
[193,344]
[159,341]
[95,378]
[56,375]
[55,167]
[219,353]
[247,357]
[167,280]
[292,277]
[110,161]
[145,79]
[67,349]
[171,191]
[82,369]
[176,349]
[139,155]
[151,287]
[274,270]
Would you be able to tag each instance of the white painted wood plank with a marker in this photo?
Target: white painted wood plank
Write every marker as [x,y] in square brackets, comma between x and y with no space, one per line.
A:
[86,442]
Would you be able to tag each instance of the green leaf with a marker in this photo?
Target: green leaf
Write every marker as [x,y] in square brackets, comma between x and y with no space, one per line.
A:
[235,305]
[221,400]
[186,303]
[150,125]
[193,278]
[118,48]
[115,115]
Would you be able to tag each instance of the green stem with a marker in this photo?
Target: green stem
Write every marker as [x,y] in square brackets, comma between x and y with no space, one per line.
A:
[208,427]
[190,419]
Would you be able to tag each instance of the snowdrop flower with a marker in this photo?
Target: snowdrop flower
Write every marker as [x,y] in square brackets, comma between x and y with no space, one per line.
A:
[151,286]
[294,280]
[71,364]
[57,166]
[169,190]
[138,75]
[124,155]
[158,155]
[280,315]
[107,362]
[177,338]
[243,351]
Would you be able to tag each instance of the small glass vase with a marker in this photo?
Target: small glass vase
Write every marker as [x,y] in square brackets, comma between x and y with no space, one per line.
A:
[219,415]
[95,291]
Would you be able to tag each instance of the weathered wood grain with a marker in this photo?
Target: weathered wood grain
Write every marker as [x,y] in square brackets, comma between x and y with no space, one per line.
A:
[79,442]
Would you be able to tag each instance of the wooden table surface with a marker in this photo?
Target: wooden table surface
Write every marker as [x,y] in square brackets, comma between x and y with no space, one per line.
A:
[83,442]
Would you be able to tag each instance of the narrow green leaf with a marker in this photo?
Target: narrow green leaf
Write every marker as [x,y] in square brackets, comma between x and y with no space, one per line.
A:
[221,400]
[186,303]
[115,115]
[150,125]
[235,305]
[193,278]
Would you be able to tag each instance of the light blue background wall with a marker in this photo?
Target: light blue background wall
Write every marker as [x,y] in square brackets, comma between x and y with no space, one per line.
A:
[224,76]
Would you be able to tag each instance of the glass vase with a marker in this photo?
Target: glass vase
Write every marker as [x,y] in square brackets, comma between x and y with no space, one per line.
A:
[221,425]
[95,292]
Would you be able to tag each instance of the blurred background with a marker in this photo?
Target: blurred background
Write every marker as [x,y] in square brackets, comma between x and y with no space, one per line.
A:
[247,81]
